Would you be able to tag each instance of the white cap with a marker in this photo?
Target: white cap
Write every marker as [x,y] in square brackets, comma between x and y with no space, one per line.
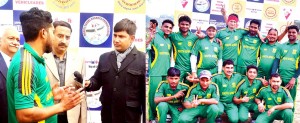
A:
[212,26]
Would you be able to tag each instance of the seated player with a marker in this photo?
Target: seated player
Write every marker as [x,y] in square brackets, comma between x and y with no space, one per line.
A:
[201,100]
[278,102]
[169,96]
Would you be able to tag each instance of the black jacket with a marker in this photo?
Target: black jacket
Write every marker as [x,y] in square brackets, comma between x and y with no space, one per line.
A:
[3,96]
[123,91]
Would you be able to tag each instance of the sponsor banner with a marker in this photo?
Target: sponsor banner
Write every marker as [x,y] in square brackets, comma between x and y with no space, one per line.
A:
[4,20]
[182,5]
[17,24]
[237,7]
[270,12]
[6,4]
[266,26]
[96,29]
[216,6]
[27,4]
[200,20]
[97,6]
[254,10]
[258,1]
[63,5]
[130,6]
[202,6]
[292,3]
[287,13]
[217,20]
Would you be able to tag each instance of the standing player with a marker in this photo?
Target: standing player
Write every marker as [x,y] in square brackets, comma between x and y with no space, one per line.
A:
[209,53]
[287,61]
[249,47]
[201,100]
[245,94]
[169,96]
[159,61]
[278,102]
[227,83]
[183,42]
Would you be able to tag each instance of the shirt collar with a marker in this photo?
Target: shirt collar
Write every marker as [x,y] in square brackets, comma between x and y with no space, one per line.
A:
[248,82]
[6,58]
[64,58]
[126,51]
[296,42]
[33,53]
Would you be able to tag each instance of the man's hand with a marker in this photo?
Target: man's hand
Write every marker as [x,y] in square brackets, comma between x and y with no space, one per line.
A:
[71,98]
[270,111]
[179,94]
[219,41]
[199,33]
[87,83]
[223,10]
[264,81]
[191,78]
[57,91]
[291,84]
[245,99]
[261,107]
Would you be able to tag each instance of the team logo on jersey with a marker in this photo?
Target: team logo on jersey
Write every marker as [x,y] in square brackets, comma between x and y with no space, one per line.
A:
[215,49]
[254,41]
[224,85]
[269,98]
[206,48]
[245,92]
[161,45]
[274,50]
[179,43]
[245,39]
[236,37]
[233,84]
[96,30]
[254,90]
[294,51]
[227,38]
[265,49]
[190,44]
[278,99]
[3,2]
[202,5]
[285,51]
[168,95]
[208,96]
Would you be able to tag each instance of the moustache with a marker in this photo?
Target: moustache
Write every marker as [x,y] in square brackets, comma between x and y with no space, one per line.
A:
[62,44]
[14,45]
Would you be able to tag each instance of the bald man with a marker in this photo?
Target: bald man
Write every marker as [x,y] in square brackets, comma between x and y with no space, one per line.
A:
[9,45]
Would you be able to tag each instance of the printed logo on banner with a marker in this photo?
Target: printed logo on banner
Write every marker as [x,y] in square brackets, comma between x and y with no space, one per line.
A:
[289,1]
[287,12]
[63,5]
[270,12]
[6,4]
[136,6]
[201,6]
[237,7]
[259,1]
[184,3]
[217,20]
[96,30]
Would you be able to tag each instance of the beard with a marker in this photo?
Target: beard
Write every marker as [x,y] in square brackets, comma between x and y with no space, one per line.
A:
[48,48]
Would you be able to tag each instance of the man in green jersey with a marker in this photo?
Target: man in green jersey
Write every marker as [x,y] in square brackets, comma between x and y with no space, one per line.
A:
[287,61]
[230,37]
[245,94]
[201,100]
[182,43]
[249,47]
[227,82]
[159,61]
[30,98]
[169,96]
[208,54]
[278,102]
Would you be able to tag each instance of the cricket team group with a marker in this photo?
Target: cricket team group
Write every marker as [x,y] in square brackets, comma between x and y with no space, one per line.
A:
[232,70]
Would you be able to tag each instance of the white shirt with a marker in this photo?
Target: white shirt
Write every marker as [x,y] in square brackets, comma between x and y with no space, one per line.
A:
[6,58]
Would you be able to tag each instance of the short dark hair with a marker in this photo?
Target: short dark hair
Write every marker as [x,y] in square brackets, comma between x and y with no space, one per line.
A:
[62,23]
[252,67]
[255,22]
[227,62]
[154,21]
[275,75]
[184,18]
[125,25]
[172,71]
[272,29]
[33,21]
[233,14]
[293,27]
[168,21]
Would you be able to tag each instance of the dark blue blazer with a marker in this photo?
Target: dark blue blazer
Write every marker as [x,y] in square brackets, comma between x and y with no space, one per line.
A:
[3,96]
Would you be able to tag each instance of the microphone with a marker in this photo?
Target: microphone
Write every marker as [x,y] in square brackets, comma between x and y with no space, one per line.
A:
[78,77]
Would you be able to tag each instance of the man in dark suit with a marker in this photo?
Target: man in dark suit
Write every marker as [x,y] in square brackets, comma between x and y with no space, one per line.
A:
[9,45]
[121,74]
